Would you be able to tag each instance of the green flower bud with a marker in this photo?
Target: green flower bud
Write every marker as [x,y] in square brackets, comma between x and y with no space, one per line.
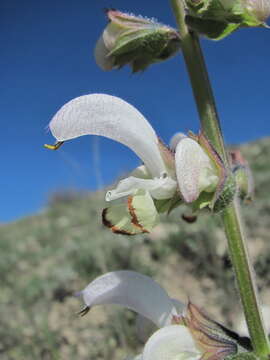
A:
[218,18]
[243,176]
[135,41]
[226,196]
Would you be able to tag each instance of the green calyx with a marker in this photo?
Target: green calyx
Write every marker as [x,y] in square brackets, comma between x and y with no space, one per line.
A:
[217,19]
[226,187]
[143,48]
[214,30]
[226,195]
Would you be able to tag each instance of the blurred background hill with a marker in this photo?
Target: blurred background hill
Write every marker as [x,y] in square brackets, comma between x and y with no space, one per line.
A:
[47,257]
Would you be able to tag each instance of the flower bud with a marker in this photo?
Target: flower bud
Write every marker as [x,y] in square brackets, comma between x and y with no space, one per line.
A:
[226,196]
[135,41]
[243,176]
[218,18]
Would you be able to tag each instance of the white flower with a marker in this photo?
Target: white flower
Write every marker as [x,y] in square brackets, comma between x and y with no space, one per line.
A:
[144,296]
[184,171]
[182,332]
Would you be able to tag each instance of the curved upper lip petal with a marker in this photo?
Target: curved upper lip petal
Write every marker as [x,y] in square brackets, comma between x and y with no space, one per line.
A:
[132,290]
[112,117]
[145,327]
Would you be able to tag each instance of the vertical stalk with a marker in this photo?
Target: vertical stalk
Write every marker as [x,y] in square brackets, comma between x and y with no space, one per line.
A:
[231,215]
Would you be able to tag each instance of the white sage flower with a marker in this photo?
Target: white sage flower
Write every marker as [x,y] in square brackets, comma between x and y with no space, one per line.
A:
[165,176]
[176,331]
[143,295]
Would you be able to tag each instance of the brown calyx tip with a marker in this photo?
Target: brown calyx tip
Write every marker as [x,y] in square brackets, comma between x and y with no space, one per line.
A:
[134,219]
[112,227]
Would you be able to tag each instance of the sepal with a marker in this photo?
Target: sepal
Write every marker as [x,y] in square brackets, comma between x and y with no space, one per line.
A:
[226,187]
[226,195]
[217,19]
[213,339]
[243,356]
[214,30]
[243,176]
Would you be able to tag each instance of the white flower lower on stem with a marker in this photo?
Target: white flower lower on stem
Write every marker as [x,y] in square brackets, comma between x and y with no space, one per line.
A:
[142,294]
[185,332]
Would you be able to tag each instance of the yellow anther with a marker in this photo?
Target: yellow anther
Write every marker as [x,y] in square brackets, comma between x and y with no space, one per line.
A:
[55,146]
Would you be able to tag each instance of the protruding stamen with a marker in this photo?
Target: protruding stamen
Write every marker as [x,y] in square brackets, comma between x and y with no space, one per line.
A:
[56,146]
[84,311]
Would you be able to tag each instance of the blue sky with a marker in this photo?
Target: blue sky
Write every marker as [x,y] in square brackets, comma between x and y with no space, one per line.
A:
[47,59]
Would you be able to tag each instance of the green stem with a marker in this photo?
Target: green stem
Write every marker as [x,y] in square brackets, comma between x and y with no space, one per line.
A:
[231,215]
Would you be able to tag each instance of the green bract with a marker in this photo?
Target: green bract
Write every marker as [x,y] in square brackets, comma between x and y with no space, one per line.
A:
[243,176]
[135,41]
[218,18]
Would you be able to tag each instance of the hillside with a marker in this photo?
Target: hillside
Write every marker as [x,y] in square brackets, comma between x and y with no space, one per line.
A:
[46,258]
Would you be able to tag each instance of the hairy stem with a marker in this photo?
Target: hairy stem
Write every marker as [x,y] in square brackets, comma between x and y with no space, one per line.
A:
[231,215]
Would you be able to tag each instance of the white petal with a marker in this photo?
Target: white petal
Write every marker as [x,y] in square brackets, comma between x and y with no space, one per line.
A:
[159,188]
[141,172]
[191,163]
[145,327]
[172,342]
[175,140]
[132,290]
[241,326]
[111,33]
[101,55]
[112,117]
